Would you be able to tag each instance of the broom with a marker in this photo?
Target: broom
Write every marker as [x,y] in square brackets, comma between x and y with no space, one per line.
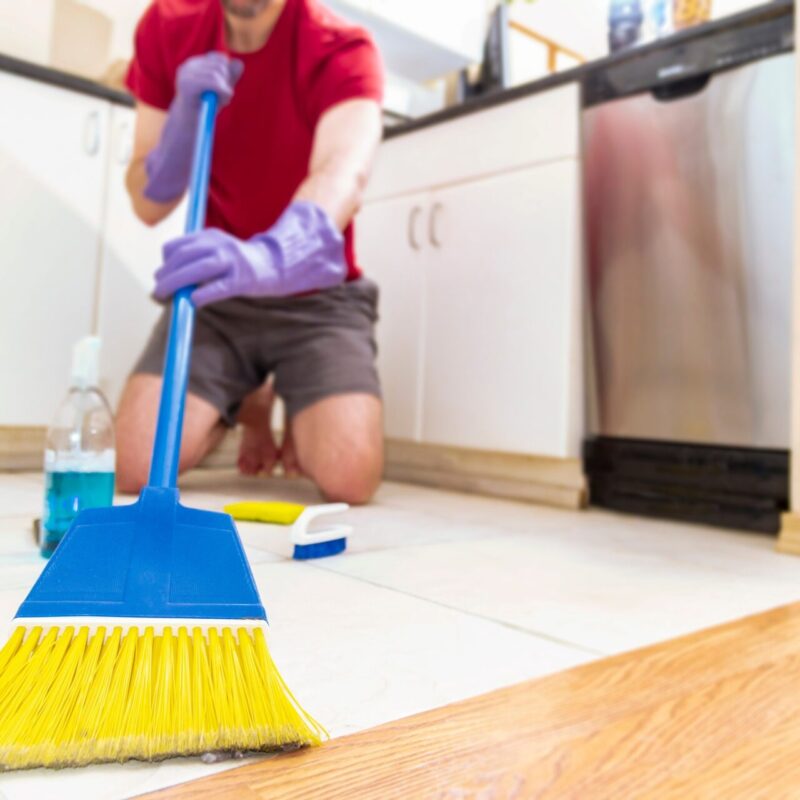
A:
[144,637]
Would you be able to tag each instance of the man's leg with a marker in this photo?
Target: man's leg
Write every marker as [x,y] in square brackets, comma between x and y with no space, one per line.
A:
[258,451]
[136,424]
[339,445]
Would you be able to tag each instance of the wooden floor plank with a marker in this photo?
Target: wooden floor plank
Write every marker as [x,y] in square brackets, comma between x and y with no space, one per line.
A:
[711,715]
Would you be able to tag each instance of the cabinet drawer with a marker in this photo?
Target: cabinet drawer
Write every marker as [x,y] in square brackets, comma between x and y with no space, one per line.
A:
[521,133]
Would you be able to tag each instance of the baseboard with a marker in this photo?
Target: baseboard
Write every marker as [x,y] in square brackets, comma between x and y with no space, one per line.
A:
[549,481]
[789,537]
[21,448]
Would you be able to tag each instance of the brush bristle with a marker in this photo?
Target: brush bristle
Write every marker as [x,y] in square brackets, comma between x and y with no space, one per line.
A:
[73,697]
[309,552]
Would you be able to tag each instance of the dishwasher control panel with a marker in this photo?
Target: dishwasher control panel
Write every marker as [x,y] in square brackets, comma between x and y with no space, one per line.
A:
[691,56]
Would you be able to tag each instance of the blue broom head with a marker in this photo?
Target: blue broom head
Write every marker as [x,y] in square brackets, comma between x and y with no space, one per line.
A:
[155,558]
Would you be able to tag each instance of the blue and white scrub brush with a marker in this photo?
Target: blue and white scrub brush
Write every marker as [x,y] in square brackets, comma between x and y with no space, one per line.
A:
[308,544]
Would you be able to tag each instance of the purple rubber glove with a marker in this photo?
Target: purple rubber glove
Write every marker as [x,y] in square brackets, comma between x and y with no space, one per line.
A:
[169,164]
[303,251]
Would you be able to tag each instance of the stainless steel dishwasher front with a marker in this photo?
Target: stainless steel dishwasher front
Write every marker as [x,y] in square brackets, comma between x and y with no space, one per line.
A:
[689,199]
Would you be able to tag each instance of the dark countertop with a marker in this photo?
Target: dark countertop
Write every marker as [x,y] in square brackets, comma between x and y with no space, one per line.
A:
[593,76]
[66,80]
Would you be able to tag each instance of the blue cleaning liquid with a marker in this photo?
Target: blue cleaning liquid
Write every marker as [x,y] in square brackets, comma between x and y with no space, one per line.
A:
[67,493]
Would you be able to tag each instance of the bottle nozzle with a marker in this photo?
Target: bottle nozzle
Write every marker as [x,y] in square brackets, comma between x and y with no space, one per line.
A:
[86,362]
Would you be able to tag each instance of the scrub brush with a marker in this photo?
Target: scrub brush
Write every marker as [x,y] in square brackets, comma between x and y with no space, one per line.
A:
[145,636]
[308,544]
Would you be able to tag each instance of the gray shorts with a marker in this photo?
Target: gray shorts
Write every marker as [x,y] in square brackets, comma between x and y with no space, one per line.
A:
[316,346]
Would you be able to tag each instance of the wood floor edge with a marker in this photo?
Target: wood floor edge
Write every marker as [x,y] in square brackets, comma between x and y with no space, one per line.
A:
[789,537]
[575,728]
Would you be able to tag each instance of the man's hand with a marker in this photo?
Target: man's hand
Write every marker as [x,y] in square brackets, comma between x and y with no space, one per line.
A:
[168,165]
[212,72]
[302,252]
[164,142]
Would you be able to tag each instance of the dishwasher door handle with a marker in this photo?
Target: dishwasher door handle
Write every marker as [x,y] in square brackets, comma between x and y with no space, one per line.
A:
[677,90]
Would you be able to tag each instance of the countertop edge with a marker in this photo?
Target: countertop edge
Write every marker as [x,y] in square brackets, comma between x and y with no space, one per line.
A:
[64,80]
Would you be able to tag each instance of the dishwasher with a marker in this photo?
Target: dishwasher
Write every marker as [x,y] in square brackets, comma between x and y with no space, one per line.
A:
[688,209]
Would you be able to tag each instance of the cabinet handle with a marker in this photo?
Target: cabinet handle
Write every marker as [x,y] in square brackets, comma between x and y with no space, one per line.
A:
[124,143]
[412,228]
[91,134]
[433,233]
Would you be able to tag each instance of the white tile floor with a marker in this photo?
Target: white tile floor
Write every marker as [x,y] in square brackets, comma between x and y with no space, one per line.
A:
[440,596]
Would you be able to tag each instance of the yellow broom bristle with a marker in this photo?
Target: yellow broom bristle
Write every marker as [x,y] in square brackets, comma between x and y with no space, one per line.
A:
[72,697]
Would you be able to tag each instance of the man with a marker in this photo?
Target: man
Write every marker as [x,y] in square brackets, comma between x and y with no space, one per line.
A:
[278,288]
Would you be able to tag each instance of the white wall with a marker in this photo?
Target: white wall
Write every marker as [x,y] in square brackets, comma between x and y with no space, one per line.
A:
[580,25]
[125,14]
[722,8]
[25,29]
[26,26]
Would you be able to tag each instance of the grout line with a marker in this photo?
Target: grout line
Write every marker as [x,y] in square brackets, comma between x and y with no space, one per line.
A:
[485,618]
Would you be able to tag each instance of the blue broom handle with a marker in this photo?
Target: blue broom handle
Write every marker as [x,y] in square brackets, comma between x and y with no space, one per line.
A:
[167,446]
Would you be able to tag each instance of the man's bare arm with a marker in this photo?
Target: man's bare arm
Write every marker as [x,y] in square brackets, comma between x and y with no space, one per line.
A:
[149,124]
[345,142]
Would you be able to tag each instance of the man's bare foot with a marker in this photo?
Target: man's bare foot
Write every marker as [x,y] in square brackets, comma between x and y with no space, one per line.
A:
[288,455]
[258,451]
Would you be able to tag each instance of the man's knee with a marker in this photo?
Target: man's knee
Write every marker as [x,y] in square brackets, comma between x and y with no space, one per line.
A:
[135,431]
[353,479]
[132,471]
[339,444]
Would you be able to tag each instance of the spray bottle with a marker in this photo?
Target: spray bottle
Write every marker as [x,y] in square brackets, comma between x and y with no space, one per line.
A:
[625,19]
[79,458]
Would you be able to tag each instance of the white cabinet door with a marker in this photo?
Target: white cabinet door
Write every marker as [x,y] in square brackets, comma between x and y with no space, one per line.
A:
[52,167]
[131,254]
[502,305]
[391,244]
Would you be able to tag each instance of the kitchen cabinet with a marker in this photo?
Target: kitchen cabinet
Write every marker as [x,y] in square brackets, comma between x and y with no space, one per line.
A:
[479,266]
[53,147]
[75,258]
[501,289]
[391,248]
[131,253]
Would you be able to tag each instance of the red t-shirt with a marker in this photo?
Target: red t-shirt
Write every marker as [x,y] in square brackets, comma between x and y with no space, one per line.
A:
[311,61]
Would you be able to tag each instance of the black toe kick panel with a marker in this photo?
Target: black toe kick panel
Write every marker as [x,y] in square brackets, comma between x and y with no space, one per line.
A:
[730,487]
